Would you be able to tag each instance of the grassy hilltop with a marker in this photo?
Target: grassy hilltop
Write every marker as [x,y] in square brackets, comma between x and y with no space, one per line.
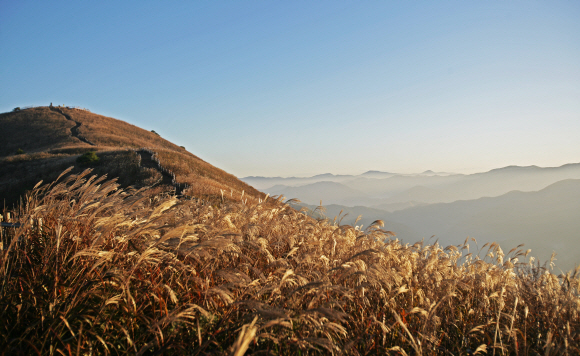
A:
[39,143]
[90,268]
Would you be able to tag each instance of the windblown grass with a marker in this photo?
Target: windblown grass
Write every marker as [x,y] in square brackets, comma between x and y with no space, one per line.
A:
[20,173]
[94,269]
[205,180]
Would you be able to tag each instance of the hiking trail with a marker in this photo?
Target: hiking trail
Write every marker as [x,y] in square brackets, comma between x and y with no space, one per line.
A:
[149,160]
[74,131]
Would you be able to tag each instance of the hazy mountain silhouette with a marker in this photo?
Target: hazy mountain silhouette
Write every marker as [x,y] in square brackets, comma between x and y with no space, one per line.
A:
[328,192]
[545,221]
[381,188]
[265,183]
[398,206]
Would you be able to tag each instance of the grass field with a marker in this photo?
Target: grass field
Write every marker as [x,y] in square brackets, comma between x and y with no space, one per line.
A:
[95,270]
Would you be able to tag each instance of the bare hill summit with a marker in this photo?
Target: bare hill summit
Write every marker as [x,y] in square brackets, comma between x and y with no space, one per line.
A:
[39,143]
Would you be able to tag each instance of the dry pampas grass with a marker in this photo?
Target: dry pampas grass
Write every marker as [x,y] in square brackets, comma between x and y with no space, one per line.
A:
[93,270]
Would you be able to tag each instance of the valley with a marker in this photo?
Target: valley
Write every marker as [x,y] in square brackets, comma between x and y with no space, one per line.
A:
[539,207]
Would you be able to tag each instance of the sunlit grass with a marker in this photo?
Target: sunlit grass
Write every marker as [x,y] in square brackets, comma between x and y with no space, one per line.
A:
[94,269]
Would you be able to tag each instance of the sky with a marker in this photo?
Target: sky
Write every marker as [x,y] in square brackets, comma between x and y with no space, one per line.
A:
[298,88]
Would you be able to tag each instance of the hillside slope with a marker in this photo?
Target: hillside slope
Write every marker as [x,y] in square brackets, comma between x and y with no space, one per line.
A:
[88,268]
[39,143]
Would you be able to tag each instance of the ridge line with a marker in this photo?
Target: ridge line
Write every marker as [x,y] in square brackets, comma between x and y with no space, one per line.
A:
[74,131]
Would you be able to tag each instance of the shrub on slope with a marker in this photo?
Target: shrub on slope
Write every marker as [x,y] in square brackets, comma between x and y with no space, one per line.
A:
[94,269]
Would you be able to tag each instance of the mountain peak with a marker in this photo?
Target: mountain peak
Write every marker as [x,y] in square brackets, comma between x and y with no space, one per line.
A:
[375,172]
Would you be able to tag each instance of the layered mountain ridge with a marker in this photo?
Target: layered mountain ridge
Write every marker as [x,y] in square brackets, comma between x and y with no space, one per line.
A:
[534,206]
[396,190]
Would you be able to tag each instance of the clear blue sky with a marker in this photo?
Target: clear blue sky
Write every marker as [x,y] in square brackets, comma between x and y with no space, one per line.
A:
[281,88]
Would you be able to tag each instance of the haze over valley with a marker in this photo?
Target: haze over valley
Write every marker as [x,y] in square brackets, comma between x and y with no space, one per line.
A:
[536,206]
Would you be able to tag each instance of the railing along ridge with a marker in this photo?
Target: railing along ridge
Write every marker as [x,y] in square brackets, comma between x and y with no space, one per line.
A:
[155,158]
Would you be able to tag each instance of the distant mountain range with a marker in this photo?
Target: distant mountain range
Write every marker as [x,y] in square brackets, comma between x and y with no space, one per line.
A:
[537,206]
[545,221]
[392,191]
[269,182]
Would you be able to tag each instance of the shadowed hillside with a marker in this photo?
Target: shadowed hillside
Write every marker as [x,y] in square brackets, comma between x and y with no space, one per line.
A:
[39,143]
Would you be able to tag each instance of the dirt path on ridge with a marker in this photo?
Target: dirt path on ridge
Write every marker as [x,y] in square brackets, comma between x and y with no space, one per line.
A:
[74,131]
[168,178]
[147,161]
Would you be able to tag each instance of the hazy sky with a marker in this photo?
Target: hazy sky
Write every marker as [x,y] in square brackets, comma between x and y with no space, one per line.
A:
[282,88]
